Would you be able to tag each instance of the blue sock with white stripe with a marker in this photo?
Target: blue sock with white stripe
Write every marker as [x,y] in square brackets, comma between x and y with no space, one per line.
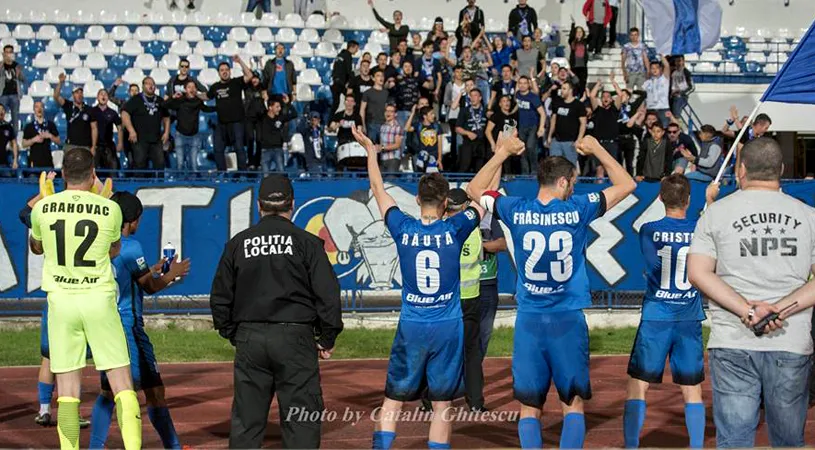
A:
[45,393]
[431,444]
[101,416]
[163,423]
[529,432]
[574,431]
[695,421]
[383,439]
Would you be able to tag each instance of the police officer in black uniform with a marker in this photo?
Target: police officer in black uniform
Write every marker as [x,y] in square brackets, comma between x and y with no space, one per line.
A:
[276,298]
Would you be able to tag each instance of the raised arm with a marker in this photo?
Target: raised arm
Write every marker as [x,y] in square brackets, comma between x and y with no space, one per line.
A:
[621,182]
[485,179]
[247,71]
[383,199]
[58,90]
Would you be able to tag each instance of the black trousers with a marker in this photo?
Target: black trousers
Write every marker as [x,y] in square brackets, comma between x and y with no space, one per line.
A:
[106,158]
[142,151]
[253,145]
[276,359]
[471,155]
[612,27]
[473,372]
[597,37]
[337,90]
[627,147]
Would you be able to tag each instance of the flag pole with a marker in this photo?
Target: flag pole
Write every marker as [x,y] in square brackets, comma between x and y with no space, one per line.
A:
[736,142]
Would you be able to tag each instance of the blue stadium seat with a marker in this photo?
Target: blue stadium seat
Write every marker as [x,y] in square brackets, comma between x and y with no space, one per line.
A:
[32,47]
[71,33]
[25,60]
[330,143]
[51,106]
[23,158]
[107,76]
[359,36]
[205,162]
[324,92]
[319,63]
[752,67]
[61,121]
[67,91]
[30,73]
[120,62]
[733,43]
[215,34]
[326,77]
[203,123]
[124,163]
[735,55]
[157,49]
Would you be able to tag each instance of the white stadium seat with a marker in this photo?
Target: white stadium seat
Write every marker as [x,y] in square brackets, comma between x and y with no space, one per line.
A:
[4,31]
[779,58]
[84,17]
[373,48]
[310,77]
[82,47]
[757,39]
[411,23]
[254,49]
[192,34]
[756,57]
[316,21]
[70,61]
[361,23]
[333,36]
[758,46]
[107,47]
[47,33]
[729,68]
[131,47]
[743,32]
[238,34]
[145,62]
[40,88]
[270,19]
[304,93]
[248,19]
[170,61]
[13,16]
[782,34]
[297,61]
[44,60]
[58,16]
[57,156]
[81,75]
[771,68]
[309,35]
[379,37]
[293,21]
[286,36]
[692,57]
[92,87]
[450,23]
[133,75]
[108,17]
[144,34]
[199,18]
[711,57]
[224,19]
[425,24]
[325,50]
[27,104]
[175,17]
[206,48]
[58,46]
[263,35]
[197,62]
[208,76]
[52,74]
[10,41]
[339,22]
[302,49]
[236,71]
[96,61]
[23,31]
[167,34]
[180,48]
[160,75]
[495,26]
[229,48]
[95,33]
[764,33]
[704,67]
[37,16]
[119,33]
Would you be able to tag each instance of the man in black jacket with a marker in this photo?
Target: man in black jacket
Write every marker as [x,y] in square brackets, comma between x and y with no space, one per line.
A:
[342,73]
[476,16]
[276,298]
[523,20]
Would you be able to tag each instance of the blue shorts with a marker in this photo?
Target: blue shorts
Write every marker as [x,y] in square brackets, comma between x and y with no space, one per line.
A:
[426,355]
[45,349]
[143,365]
[681,342]
[550,347]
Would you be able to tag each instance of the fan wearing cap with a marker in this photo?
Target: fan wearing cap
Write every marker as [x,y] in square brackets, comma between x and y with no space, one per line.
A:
[276,298]
[82,130]
[135,278]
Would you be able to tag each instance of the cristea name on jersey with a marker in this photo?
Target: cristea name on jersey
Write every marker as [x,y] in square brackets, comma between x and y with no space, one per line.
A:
[267,245]
[679,237]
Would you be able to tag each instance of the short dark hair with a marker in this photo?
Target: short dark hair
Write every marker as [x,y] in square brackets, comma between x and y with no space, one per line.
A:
[674,190]
[476,90]
[402,40]
[553,168]
[395,52]
[762,159]
[7,47]
[761,118]
[506,66]
[427,44]
[423,112]
[133,85]
[224,63]
[433,189]
[381,54]
[673,125]
[567,82]
[634,30]
[191,81]
[656,63]
[77,165]
[708,129]
[407,61]
[183,60]
[353,43]
[658,124]
[276,208]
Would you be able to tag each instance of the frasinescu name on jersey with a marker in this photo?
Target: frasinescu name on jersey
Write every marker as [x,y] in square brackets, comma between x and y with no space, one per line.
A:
[534,218]
[267,245]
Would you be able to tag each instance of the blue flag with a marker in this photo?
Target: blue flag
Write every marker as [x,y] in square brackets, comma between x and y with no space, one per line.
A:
[795,82]
[681,27]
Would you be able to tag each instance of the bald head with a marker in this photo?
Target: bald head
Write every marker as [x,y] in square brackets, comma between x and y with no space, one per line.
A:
[762,160]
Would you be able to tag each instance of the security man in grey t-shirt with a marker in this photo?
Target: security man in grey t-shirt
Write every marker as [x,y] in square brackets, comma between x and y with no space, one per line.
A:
[751,252]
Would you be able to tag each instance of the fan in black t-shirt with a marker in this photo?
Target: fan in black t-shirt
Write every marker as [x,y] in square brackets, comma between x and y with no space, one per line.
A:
[342,122]
[38,135]
[7,136]
[81,124]
[228,92]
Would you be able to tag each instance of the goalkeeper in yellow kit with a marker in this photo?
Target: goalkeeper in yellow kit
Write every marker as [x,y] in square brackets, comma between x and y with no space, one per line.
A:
[78,232]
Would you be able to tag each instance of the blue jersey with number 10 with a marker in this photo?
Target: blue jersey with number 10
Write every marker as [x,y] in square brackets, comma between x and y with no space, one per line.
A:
[430,257]
[548,244]
[669,296]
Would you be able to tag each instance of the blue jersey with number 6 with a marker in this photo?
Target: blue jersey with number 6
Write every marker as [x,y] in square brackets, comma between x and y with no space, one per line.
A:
[669,296]
[548,244]
[429,256]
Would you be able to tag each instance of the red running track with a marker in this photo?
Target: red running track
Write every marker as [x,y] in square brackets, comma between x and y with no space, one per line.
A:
[200,397]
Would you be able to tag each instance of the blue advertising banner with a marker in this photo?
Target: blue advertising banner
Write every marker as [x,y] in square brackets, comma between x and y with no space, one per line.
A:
[199,217]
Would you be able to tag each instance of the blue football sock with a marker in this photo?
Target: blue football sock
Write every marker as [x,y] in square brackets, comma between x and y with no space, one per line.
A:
[101,417]
[45,392]
[633,418]
[383,439]
[431,444]
[695,421]
[529,432]
[163,423]
[574,431]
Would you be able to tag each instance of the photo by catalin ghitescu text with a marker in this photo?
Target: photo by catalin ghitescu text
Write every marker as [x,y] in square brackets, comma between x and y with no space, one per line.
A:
[453,413]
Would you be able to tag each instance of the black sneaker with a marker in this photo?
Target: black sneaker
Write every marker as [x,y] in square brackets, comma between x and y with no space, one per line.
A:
[43,420]
[426,405]
[84,423]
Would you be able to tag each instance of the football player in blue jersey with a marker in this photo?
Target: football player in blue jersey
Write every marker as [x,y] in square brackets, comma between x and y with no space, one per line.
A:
[547,238]
[672,316]
[135,278]
[428,349]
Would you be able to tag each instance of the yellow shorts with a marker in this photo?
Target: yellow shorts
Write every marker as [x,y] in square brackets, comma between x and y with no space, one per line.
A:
[76,320]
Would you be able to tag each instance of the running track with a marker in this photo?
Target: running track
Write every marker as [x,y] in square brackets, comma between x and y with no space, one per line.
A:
[200,398]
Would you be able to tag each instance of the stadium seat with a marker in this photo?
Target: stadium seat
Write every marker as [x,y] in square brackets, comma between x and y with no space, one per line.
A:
[44,60]
[206,48]
[52,74]
[238,34]
[81,75]
[208,76]
[192,34]
[729,67]
[92,88]
[373,48]
[229,48]
[23,31]
[70,61]
[13,16]
[160,75]
[316,21]
[334,36]
[180,48]
[310,77]
[120,62]
[108,76]
[107,47]
[756,57]
[309,35]
[84,17]
[31,47]
[263,35]
[771,68]
[293,21]
[26,105]
[82,47]
[197,62]
[704,67]
[270,19]
[131,47]
[236,71]
[692,57]
[95,61]
[57,156]
[10,41]
[47,33]
[378,37]
[338,22]
[302,49]
[119,33]
[711,56]
[58,46]
[145,62]
[778,58]
[224,19]
[156,48]
[783,35]
[426,24]
[167,34]
[71,33]
[286,36]
[4,31]
[248,19]
[108,17]
[40,88]
[215,35]
[743,32]
[451,24]
[133,75]
[200,18]
[254,49]
[144,34]
[758,46]
[752,67]
[325,50]
[297,61]
[361,23]
[169,61]
[175,17]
